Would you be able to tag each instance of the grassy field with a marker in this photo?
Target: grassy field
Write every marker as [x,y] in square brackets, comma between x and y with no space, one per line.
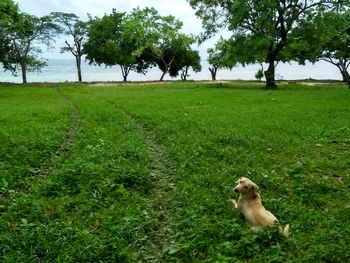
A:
[143,173]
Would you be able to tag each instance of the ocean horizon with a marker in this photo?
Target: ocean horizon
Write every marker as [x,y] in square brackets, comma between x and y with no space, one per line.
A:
[64,70]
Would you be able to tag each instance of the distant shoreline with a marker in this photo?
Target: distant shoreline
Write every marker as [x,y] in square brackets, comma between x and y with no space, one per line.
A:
[310,82]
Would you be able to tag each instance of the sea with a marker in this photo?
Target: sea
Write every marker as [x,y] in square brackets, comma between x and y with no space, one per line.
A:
[64,70]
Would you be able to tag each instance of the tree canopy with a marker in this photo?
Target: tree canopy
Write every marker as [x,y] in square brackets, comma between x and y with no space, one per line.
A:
[116,39]
[137,41]
[9,13]
[71,26]
[324,37]
[261,29]
[25,37]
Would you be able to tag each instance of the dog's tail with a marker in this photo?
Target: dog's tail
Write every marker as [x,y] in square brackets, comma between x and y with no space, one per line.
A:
[284,231]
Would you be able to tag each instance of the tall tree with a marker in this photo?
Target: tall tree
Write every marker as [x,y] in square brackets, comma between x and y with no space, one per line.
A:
[26,37]
[165,42]
[8,17]
[73,27]
[183,62]
[324,37]
[221,56]
[116,39]
[265,23]
[214,59]
[189,59]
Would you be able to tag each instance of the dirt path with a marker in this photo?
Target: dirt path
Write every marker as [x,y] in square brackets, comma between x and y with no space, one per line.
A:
[68,141]
[161,197]
[147,83]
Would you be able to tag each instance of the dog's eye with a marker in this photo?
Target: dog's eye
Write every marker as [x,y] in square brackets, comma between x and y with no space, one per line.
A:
[246,187]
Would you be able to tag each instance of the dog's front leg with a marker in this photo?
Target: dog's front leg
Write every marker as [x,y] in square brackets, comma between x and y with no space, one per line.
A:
[233,201]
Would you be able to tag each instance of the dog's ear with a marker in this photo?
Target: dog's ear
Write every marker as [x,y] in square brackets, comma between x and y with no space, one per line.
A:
[254,186]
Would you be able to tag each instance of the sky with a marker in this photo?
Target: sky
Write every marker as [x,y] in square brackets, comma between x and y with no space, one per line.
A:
[181,9]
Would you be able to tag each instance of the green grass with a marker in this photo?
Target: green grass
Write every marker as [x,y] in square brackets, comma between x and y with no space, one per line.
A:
[143,173]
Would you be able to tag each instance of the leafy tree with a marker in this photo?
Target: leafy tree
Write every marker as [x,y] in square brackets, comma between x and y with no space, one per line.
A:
[324,37]
[183,62]
[165,43]
[266,24]
[103,38]
[220,57]
[117,39]
[25,38]
[187,60]
[259,74]
[214,61]
[8,16]
[72,26]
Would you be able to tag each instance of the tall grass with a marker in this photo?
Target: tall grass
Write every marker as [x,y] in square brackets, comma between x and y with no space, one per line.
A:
[98,203]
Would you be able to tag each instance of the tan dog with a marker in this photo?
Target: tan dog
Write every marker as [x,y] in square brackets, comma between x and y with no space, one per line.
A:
[249,203]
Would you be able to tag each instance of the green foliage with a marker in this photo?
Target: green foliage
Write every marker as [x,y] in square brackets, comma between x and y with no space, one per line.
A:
[183,62]
[102,34]
[8,16]
[70,25]
[261,30]
[166,46]
[25,36]
[140,40]
[259,74]
[9,12]
[324,37]
[118,39]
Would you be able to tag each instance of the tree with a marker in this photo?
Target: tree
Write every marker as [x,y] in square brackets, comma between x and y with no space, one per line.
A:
[117,39]
[183,62]
[25,38]
[259,74]
[190,59]
[214,61]
[265,23]
[103,36]
[324,38]
[165,43]
[72,26]
[8,16]
[220,56]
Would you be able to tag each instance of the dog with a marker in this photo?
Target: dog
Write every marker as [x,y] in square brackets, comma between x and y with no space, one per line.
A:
[249,203]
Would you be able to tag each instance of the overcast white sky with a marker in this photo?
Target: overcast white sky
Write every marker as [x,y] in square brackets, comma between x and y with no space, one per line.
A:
[181,9]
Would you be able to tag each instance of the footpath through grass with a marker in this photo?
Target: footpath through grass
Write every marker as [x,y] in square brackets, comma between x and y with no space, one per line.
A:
[143,174]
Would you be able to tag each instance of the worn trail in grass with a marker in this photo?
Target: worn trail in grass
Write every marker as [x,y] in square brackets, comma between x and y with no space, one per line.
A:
[67,143]
[161,198]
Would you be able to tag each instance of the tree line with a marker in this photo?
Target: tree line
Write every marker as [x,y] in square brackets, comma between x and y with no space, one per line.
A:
[273,31]
[262,31]
[135,41]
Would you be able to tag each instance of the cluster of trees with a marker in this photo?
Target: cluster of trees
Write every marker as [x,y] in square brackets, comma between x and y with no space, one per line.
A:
[263,31]
[272,31]
[135,41]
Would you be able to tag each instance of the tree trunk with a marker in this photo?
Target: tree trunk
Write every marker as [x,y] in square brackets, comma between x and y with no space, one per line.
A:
[24,72]
[342,65]
[78,62]
[344,77]
[162,77]
[213,72]
[184,73]
[125,72]
[270,75]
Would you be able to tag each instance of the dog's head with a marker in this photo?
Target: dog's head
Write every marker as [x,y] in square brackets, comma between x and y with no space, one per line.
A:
[245,185]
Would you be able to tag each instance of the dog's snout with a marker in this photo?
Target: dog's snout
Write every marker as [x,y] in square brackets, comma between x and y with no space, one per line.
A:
[236,190]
